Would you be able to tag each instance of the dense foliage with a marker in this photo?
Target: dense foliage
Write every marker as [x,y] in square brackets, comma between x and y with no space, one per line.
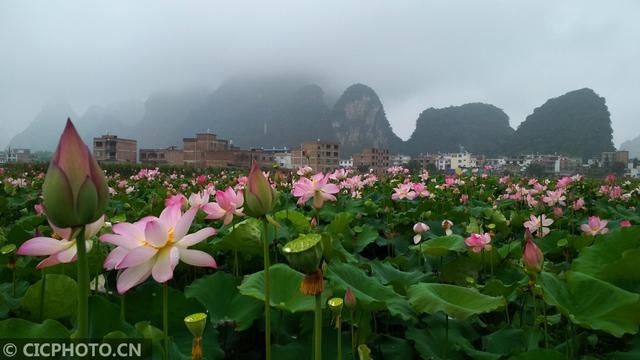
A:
[421,291]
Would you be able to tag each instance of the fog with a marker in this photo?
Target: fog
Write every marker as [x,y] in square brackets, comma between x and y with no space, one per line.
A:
[415,54]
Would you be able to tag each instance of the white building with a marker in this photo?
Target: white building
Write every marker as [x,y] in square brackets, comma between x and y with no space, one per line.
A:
[346,163]
[456,161]
[631,170]
[399,159]
[283,160]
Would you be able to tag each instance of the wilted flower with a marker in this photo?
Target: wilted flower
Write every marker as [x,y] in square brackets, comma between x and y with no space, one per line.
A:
[419,229]
[532,257]
[479,242]
[538,225]
[259,196]
[447,225]
[228,203]
[153,247]
[317,188]
[595,226]
[75,191]
[59,248]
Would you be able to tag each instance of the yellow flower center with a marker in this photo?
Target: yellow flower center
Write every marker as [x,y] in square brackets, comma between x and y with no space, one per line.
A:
[170,236]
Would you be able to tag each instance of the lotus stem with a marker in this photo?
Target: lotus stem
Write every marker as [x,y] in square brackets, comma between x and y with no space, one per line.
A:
[42,289]
[122,308]
[339,327]
[446,336]
[353,336]
[83,285]
[267,299]
[165,318]
[318,328]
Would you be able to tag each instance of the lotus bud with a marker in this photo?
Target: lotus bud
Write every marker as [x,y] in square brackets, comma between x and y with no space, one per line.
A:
[260,197]
[350,299]
[75,191]
[532,257]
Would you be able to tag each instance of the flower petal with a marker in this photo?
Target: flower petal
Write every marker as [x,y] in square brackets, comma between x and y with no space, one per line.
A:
[165,263]
[115,257]
[43,246]
[198,258]
[47,262]
[196,237]
[170,215]
[156,233]
[184,223]
[137,256]
[134,276]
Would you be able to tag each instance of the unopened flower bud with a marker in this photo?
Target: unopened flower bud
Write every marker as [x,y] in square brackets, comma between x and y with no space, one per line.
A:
[75,191]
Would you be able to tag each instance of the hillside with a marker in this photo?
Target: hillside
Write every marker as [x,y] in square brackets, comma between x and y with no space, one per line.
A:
[476,128]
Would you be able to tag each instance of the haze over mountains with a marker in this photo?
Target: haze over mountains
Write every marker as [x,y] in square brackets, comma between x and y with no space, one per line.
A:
[284,111]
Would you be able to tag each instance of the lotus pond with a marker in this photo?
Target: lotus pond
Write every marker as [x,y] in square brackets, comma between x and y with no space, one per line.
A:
[394,266]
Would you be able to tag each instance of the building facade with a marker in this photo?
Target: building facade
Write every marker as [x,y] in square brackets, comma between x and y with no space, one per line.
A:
[168,156]
[372,159]
[319,155]
[111,148]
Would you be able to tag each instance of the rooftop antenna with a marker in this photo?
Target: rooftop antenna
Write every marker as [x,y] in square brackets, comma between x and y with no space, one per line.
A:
[265,127]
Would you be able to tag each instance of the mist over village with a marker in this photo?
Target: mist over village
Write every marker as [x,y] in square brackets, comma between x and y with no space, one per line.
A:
[327,180]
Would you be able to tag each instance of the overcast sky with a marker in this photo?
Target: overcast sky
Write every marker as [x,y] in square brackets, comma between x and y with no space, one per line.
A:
[415,54]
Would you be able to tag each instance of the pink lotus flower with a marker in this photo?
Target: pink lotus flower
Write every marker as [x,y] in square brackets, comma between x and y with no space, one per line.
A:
[578,204]
[317,188]
[611,178]
[464,198]
[595,226]
[228,203]
[304,170]
[554,198]
[403,191]
[419,229]
[532,257]
[39,208]
[176,200]
[538,225]
[201,179]
[200,199]
[564,182]
[479,242]
[421,190]
[59,248]
[625,223]
[557,211]
[154,246]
